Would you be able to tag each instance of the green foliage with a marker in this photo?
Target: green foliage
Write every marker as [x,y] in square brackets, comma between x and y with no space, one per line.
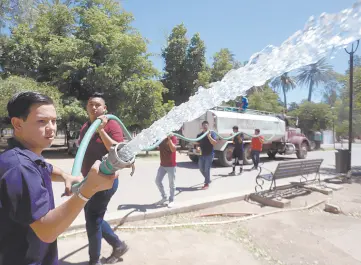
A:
[223,62]
[285,83]
[185,65]
[313,75]
[313,116]
[85,46]
[265,99]
[13,85]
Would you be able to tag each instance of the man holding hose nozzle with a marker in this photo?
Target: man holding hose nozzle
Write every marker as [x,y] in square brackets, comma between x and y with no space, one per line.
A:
[108,134]
[207,153]
[29,221]
[256,148]
[167,151]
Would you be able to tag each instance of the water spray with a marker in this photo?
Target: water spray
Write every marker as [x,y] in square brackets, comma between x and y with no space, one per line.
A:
[320,38]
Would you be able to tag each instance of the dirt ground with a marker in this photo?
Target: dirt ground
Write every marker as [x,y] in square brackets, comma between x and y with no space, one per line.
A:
[298,237]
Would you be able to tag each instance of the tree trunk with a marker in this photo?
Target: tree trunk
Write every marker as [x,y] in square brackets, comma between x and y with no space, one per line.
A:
[310,91]
[284,96]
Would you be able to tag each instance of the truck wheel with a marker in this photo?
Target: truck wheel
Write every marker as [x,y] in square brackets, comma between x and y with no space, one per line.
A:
[194,158]
[302,151]
[247,159]
[271,154]
[225,157]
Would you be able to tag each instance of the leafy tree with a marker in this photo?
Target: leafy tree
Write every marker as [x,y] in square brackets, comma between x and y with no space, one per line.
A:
[13,85]
[83,47]
[265,99]
[286,83]
[293,106]
[313,75]
[175,55]
[313,116]
[185,65]
[195,66]
[223,62]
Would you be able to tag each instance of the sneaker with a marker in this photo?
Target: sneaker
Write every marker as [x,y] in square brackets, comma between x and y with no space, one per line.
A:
[161,202]
[117,254]
[232,173]
[171,204]
[205,187]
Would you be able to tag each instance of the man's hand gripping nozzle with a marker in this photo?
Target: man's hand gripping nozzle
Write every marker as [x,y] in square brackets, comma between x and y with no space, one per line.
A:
[113,162]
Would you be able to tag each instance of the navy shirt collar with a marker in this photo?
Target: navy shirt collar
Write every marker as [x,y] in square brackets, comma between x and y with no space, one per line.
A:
[13,143]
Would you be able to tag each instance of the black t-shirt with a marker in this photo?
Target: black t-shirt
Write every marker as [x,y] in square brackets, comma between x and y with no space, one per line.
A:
[205,144]
[238,143]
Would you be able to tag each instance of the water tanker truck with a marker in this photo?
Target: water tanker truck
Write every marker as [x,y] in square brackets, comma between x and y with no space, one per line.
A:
[279,139]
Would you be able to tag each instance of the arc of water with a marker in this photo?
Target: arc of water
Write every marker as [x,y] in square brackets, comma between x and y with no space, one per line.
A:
[319,38]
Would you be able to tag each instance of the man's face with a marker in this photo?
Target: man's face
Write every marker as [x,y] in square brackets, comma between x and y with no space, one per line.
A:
[235,131]
[39,129]
[205,126]
[256,132]
[96,107]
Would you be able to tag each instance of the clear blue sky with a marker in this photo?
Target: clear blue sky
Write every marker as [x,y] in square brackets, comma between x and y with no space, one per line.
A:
[245,27]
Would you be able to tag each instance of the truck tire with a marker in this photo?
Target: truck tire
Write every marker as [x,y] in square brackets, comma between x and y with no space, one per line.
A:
[247,159]
[194,158]
[272,154]
[225,157]
[302,151]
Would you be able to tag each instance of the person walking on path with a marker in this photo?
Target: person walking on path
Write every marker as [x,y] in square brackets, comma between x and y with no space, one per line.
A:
[167,150]
[108,133]
[256,148]
[206,147]
[29,221]
[237,154]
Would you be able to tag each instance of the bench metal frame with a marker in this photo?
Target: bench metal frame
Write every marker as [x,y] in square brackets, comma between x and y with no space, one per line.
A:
[301,168]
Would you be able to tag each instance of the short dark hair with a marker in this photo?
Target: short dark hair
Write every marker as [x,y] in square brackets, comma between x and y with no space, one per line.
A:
[97,95]
[19,105]
[205,122]
[235,127]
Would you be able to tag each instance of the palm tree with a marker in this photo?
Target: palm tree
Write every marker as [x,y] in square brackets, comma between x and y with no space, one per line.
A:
[314,74]
[285,82]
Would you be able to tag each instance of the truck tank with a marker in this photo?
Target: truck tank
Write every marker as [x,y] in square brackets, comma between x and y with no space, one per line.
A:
[272,128]
[222,119]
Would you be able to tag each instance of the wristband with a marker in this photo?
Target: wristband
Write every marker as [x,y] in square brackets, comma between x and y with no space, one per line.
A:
[78,193]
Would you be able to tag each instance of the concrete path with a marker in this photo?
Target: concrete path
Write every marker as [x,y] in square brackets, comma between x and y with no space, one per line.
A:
[137,194]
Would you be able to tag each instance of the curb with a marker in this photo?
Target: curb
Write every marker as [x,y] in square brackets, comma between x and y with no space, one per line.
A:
[116,219]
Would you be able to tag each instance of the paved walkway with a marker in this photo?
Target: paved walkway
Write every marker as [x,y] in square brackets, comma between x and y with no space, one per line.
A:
[137,194]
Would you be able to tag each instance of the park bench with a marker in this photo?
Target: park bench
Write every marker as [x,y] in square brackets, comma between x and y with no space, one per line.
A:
[301,168]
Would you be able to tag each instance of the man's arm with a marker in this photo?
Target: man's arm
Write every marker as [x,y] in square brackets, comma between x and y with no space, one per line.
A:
[58,175]
[171,144]
[211,139]
[113,135]
[107,140]
[27,201]
[56,221]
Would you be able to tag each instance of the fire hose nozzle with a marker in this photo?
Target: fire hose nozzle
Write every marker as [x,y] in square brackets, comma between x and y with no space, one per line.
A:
[113,161]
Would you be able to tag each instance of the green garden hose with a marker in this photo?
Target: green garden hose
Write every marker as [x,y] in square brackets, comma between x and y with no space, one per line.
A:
[104,168]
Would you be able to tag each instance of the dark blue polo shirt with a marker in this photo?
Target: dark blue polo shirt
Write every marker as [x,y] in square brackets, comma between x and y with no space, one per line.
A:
[26,195]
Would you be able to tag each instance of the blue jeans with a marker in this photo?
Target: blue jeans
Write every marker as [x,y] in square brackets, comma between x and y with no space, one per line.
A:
[96,227]
[171,176]
[255,157]
[205,164]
